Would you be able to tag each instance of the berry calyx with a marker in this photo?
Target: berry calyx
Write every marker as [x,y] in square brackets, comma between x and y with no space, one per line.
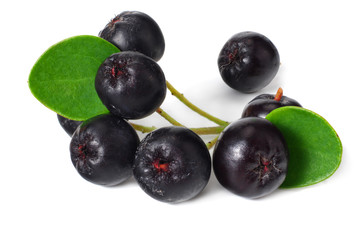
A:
[161,165]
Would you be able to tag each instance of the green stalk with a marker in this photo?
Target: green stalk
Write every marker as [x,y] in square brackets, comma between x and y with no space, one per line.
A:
[211,143]
[168,117]
[208,130]
[199,131]
[184,100]
[143,129]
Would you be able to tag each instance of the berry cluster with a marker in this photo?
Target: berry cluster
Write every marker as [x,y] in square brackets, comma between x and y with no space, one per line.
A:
[173,164]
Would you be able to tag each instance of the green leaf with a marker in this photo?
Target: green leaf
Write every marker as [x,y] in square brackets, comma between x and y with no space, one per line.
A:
[63,78]
[315,149]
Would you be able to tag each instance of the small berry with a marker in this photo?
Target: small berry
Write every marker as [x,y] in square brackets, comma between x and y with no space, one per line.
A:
[172,164]
[131,85]
[251,157]
[103,149]
[263,104]
[248,62]
[68,125]
[135,31]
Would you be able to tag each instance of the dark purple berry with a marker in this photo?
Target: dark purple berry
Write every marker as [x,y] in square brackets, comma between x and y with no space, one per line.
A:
[172,164]
[263,104]
[135,31]
[103,149]
[131,85]
[250,158]
[248,62]
[68,125]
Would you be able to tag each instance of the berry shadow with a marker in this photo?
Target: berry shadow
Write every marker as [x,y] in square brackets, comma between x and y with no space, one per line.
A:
[131,182]
[212,188]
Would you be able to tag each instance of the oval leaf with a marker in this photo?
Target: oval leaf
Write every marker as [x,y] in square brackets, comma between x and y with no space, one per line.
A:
[63,77]
[315,149]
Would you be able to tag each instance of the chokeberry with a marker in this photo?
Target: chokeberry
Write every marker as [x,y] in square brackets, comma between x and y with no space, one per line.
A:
[251,157]
[172,164]
[68,125]
[130,84]
[263,104]
[135,31]
[248,61]
[103,149]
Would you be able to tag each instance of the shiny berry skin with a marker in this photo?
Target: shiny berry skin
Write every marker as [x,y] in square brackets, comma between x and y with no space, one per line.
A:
[103,149]
[250,158]
[248,62]
[172,164]
[68,125]
[263,104]
[131,85]
[135,31]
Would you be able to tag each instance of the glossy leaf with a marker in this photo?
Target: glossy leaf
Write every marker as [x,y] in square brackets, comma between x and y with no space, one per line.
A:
[315,149]
[63,77]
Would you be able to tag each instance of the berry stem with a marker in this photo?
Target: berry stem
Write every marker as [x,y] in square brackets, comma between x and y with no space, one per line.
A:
[199,131]
[279,94]
[143,129]
[168,117]
[208,130]
[184,100]
[211,143]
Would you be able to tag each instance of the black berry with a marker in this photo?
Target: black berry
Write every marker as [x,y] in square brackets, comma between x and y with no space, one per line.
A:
[250,158]
[248,62]
[135,31]
[131,85]
[68,125]
[172,164]
[103,149]
[263,104]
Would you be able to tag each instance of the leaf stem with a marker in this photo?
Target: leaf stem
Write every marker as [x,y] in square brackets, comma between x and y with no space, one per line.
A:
[184,100]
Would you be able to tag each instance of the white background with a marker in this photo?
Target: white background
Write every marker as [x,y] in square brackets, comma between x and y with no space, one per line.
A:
[43,197]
